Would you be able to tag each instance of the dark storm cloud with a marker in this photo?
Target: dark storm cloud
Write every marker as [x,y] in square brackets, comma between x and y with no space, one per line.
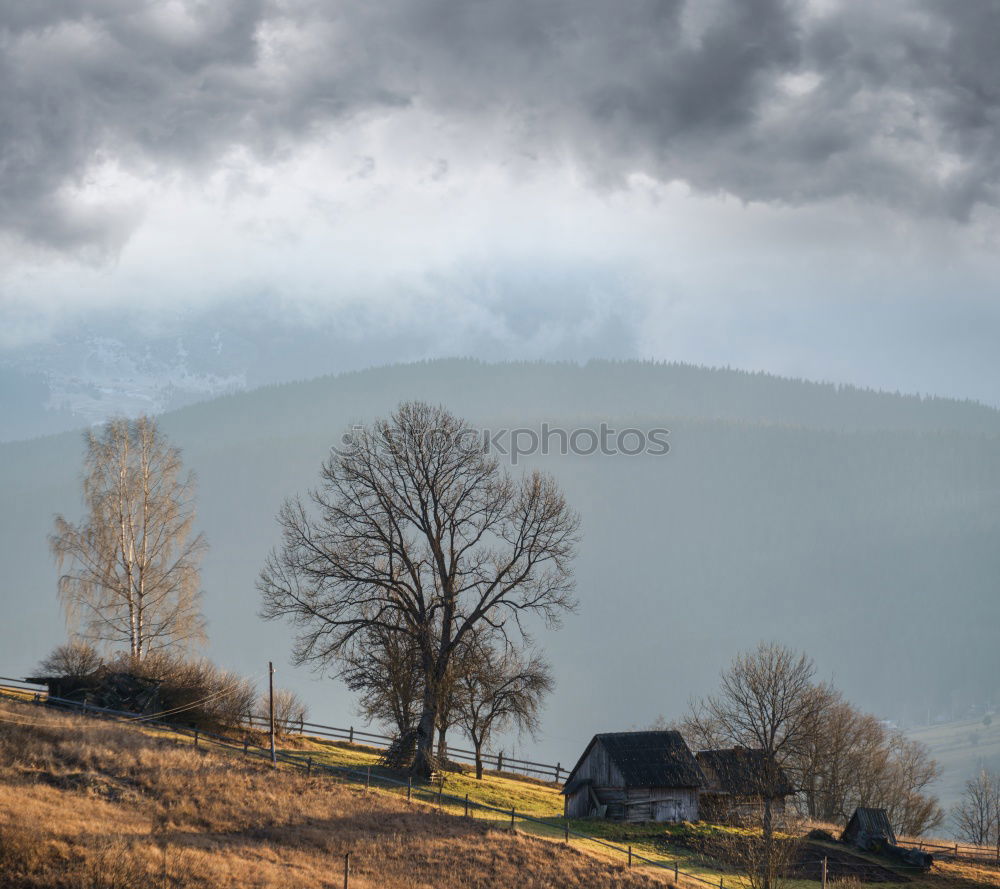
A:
[765,99]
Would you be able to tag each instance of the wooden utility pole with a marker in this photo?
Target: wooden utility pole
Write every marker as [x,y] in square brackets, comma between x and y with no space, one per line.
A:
[270,707]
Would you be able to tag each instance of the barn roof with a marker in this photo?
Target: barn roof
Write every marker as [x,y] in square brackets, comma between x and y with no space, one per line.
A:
[743,771]
[648,759]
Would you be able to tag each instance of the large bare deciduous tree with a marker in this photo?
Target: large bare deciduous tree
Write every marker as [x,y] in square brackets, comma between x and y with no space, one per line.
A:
[417,531]
[132,565]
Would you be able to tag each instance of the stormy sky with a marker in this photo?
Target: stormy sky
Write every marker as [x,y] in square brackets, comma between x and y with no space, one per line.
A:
[809,188]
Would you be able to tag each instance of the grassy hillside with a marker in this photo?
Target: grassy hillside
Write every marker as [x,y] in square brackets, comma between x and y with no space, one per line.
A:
[87,804]
[100,806]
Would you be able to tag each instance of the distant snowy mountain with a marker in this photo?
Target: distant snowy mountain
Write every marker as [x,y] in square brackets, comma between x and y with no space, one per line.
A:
[100,375]
[82,380]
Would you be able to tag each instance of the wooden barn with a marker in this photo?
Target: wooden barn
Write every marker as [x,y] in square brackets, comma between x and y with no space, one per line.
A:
[737,780]
[635,776]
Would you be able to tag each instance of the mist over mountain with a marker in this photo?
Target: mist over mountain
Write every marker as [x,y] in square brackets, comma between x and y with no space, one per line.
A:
[858,525]
[116,362]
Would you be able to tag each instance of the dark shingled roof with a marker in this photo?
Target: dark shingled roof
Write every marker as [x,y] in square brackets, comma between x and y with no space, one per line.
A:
[649,759]
[743,771]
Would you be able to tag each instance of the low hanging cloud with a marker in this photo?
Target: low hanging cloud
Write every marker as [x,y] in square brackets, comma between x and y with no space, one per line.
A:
[895,103]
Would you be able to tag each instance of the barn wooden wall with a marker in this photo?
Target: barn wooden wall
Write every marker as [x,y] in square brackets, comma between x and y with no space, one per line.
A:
[633,804]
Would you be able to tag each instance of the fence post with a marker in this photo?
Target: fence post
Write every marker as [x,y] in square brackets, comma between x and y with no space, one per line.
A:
[558,770]
[500,761]
[368,778]
[246,744]
[350,735]
[467,805]
[347,870]
[512,827]
[566,830]
[409,788]
[677,875]
[720,884]
[270,709]
[824,872]
[440,790]
[309,767]
[629,856]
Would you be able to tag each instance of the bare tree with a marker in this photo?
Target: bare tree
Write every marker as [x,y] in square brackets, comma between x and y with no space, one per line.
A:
[448,703]
[417,530]
[384,668]
[977,816]
[853,759]
[700,728]
[500,689]
[133,573]
[768,701]
[911,771]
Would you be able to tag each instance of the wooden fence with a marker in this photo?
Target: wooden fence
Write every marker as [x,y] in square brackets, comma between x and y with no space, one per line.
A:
[493,761]
[957,851]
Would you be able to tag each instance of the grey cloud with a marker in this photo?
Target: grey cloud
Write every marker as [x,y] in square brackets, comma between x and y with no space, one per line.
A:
[769,100]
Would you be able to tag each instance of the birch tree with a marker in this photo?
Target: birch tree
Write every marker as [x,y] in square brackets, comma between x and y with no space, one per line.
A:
[131,573]
[417,530]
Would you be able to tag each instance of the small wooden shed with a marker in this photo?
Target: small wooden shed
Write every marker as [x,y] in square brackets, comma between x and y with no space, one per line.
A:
[635,776]
[869,829]
[737,780]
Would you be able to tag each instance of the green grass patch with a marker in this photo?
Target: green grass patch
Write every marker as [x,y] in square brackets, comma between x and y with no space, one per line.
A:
[527,797]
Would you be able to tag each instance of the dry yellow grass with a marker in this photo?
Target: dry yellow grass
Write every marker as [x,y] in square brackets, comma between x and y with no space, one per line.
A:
[92,805]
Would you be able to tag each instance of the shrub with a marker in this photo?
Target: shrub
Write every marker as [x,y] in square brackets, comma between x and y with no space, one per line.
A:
[74,660]
[115,866]
[289,710]
[191,692]
[196,692]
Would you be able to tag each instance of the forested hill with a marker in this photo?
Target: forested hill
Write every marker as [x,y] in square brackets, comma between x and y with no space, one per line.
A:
[623,389]
[862,526]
